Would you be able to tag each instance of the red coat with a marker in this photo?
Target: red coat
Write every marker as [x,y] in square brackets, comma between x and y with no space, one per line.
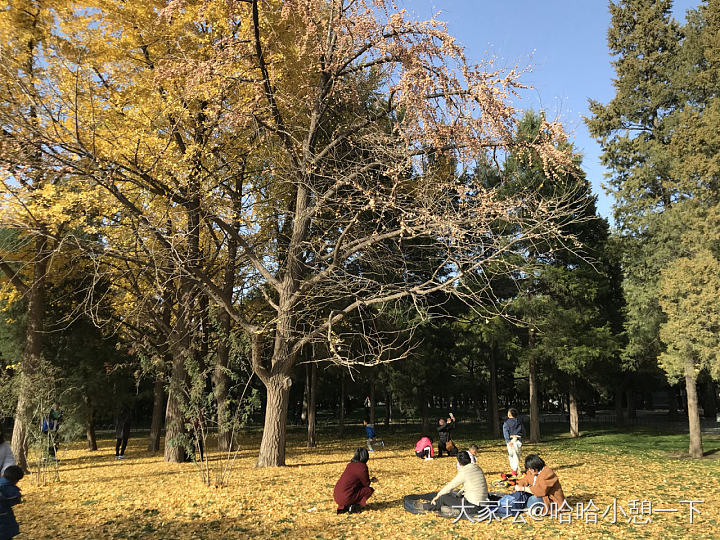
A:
[353,487]
[424,443]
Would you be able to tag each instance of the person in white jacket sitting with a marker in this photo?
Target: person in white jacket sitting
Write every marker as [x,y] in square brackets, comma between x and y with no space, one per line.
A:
[6,455]
[472,478]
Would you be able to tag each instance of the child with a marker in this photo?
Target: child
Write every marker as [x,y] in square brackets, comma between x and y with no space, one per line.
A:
[513,432]
[9,496]
[370,432]
[424,448]
[472,452]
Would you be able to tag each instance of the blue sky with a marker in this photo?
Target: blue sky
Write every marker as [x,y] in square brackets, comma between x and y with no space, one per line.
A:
[564,41]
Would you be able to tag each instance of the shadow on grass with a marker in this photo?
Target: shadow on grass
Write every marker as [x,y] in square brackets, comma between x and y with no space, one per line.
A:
[561,467]
[382,505]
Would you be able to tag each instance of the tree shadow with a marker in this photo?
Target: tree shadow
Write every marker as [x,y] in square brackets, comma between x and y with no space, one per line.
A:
[297,465]
[562,467]
[580,498]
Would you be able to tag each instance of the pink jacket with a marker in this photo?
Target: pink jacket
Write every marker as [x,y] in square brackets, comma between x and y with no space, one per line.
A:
[424,443]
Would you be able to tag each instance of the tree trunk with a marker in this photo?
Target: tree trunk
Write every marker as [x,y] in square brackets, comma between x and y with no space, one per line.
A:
[157,414]
[311,442]
[306,395]
[272,446]
[696,449]
[221,384]
[672,401]
[631,413]
[32,353]
[619,411]
[709,407]
[425,415]
[574,419]
[388,408]
[341,414]
[493,413]
[90,431]
[174,418]
[534,406]
[372,402]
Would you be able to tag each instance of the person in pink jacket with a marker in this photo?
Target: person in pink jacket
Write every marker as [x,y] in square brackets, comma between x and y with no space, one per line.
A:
[424,448]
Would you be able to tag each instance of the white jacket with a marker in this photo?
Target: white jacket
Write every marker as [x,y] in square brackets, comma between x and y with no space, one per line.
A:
[472,478]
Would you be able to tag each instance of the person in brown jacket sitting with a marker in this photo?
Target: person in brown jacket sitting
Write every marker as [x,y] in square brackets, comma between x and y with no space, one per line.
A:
[541,482]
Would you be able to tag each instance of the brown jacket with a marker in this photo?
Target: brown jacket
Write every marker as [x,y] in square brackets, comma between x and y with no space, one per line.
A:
[546,486]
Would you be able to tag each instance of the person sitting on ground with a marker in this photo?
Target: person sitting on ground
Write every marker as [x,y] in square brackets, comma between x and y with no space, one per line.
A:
[541,483]
[472,478]
[6,456]
[9,497]
[444,428]
[513,432]
[472,451]
[353,488]
[424,448]
[370,432]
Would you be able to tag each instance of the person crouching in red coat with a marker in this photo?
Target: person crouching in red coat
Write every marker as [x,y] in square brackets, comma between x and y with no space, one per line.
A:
[353,488]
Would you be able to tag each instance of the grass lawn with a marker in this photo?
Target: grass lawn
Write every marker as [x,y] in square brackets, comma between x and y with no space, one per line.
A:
[143,497]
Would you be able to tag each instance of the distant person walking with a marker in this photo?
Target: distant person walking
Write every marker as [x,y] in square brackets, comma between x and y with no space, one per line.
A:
[513,431]
[122,431]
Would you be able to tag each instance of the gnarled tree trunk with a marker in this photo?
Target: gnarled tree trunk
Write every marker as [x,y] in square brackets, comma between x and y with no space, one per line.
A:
[174,418]
[272,446]
[32,353]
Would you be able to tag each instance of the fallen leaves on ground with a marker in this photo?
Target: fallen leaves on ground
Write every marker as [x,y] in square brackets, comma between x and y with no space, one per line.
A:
[144,497]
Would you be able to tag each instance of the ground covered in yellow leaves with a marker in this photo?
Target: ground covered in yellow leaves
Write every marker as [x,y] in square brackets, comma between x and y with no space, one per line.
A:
[143,497]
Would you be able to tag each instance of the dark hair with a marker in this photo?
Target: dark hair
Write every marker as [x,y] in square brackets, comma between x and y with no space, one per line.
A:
[464,458]
[2,436]
[513,412]
[361,455]
[13,474]
[535,462]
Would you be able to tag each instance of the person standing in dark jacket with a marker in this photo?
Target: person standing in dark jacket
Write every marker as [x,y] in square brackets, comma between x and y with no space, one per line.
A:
[444,428]
[122,432]
[9,497]
[353,488]
[513,432]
